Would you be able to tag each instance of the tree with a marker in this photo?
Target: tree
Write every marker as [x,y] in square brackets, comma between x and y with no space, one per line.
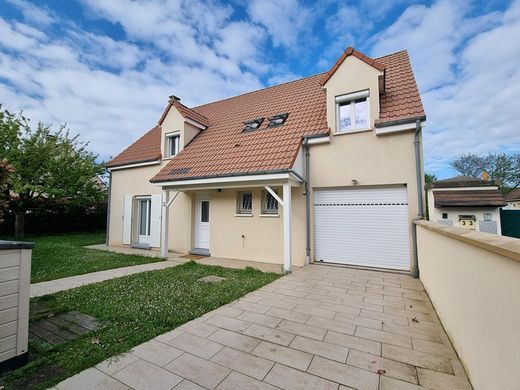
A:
[5,171]
[429,177]
[502,168]
[48,167]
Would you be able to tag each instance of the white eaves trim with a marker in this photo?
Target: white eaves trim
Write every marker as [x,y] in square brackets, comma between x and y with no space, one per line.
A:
[136,165]
[228,179]
[397,128]
[196,124]
[352,96]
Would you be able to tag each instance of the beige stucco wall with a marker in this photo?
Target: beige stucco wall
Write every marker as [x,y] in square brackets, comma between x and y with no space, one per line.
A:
[370,159]
[473,282]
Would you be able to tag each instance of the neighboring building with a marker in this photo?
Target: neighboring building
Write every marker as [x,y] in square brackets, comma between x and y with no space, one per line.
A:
[513,199]
[228,178]
[466,202]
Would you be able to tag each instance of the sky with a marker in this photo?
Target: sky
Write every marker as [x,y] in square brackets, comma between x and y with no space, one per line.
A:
[107,67]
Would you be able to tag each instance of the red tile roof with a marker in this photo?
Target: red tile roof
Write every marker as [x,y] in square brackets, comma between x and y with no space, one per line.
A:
[224,149]
[350,51]
[147,148]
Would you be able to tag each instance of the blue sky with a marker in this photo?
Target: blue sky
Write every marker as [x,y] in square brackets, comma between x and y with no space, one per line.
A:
[106,68]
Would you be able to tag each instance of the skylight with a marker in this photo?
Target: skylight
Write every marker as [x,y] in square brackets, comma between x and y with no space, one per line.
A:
[278,119]
[253,124]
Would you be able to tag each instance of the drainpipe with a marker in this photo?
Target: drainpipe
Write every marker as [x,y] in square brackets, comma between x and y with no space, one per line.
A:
[418,171]
[307,200]
[108,206]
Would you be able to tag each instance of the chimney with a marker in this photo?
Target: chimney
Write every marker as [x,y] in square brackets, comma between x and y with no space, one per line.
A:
[173,98]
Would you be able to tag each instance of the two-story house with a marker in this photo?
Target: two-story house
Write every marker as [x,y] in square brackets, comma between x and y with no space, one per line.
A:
[327,168]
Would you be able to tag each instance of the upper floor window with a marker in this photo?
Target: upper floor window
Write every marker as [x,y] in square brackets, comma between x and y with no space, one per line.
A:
[172,144]
[352,112]
[277,120]
[269,203]
[253,124]
[245,203]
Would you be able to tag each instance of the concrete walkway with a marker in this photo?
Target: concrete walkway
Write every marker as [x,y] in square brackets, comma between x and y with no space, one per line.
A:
[52,286]
[321,327]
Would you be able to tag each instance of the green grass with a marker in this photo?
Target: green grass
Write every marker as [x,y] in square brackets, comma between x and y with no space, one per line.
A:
[136,308]
[61,255]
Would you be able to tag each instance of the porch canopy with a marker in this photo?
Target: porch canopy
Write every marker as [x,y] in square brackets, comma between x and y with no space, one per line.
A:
[286,180]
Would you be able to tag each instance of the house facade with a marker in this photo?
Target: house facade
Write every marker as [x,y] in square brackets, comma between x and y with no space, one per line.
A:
[327,168]
[466,202]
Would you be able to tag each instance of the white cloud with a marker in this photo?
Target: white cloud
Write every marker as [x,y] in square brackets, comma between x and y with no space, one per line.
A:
[33,13]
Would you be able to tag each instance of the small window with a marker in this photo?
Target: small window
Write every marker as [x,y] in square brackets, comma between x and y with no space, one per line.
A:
[172,144]
[269,204]
[278,120]
[204,211]
[352,112]
[245,203]
[253,124]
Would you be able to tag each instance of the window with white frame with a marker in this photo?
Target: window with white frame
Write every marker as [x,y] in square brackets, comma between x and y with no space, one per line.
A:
[352,112]
[269,203]
[172,144]
[245,203]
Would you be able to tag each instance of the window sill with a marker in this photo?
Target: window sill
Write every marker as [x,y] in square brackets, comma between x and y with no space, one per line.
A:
[243,215]
[352,131]
[269,215]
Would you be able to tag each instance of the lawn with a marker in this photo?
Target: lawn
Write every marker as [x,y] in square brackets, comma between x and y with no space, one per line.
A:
[61,255]
[136,308]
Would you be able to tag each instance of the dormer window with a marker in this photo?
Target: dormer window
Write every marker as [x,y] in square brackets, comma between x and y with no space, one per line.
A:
[253,124]
[352,112]
[278,120]
[172,144]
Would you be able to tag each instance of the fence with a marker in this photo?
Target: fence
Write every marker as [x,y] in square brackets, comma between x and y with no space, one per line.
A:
[510,220]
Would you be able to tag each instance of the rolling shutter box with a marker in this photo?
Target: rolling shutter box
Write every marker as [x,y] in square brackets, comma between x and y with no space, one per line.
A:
[364,227]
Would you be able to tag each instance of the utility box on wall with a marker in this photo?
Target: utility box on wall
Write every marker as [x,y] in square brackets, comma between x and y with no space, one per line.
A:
[15,284]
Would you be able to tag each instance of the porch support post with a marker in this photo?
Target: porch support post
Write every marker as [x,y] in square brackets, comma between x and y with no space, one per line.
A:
[165,218]
[287,246]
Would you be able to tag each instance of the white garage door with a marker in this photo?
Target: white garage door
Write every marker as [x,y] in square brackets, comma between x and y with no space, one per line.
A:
[364,227]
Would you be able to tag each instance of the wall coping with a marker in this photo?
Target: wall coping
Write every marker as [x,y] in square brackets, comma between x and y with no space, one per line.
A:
[505,246]
[15,245]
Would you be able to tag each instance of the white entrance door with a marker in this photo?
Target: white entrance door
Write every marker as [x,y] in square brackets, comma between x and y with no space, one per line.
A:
[202,223]
[364,227]
[144,209]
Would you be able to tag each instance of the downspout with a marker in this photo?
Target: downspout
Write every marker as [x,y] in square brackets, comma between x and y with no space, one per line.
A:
[418,172]
[108,206]
[307,201]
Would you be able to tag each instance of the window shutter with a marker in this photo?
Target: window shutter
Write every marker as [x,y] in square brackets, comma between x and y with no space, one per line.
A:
[155,221]
[127,219]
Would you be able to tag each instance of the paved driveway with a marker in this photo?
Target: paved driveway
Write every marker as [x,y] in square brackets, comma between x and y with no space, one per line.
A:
[321,327]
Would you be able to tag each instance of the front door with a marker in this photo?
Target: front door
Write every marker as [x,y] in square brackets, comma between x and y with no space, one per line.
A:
[202,223]
[144,211]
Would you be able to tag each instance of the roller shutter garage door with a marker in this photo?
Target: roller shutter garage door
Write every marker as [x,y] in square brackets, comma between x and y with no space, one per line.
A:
[363,227]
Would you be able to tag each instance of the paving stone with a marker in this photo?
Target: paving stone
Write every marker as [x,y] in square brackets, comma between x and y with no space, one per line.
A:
[227,311]
[198,328]
[302,330]
[228,323]
[438,349]
[362,321]
[168,336]
[384,317]
[260,319]
[234,340]
[200,371]
[374,363]
[291,379]
[288,315]
[187,385]
[314,311]
[284,355]
[417,358]
[249,306]
[268,334]
[353,342]
[336,326]
[91,379]
[384,337]
[114,364]
[344,374]
[236,380]
[157,353]
[409,314]
[387,383]
[142,375]
[344,308]
[196,345]
[280,303]
[429,335]
[243,362]
[320,348]
[440,381]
